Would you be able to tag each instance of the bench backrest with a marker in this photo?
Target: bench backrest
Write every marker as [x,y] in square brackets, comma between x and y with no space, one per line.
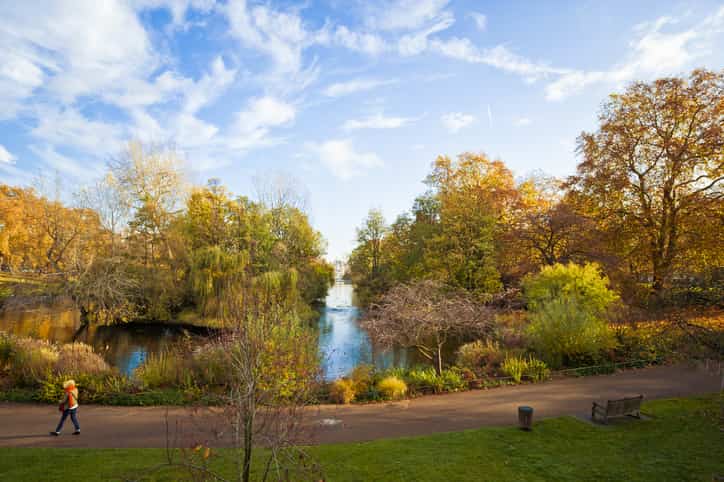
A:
[623,406]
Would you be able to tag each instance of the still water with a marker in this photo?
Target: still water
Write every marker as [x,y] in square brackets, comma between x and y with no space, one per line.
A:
[343,344]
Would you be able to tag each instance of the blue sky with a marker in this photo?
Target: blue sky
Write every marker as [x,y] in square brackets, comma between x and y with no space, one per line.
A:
[353,98]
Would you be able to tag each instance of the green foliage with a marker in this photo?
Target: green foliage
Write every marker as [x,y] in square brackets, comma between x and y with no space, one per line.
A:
[562,332]
[515,367]
[451,234]
[536,370]
[568,304]
[392,388]
[362,378]
[342,391]
[425,380]
[583,284]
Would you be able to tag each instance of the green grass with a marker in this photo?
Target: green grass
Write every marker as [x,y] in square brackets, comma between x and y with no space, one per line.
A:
[681,441]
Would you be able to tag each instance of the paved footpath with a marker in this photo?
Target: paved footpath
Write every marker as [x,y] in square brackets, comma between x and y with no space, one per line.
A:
[27,425]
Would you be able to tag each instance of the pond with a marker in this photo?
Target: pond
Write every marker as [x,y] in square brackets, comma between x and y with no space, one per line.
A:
[343,344]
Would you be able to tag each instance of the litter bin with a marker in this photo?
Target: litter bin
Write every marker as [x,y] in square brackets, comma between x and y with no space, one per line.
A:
[525,417]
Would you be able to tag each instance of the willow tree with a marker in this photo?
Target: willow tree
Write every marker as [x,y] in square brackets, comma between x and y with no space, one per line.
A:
[653,171]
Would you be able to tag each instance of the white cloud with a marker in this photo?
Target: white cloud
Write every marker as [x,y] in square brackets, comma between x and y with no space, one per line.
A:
[70,48]
[481,21]
[377,121]
[416,43]
[265,112]
[358,85]
[341,158]
[209,87]
[522,121]
[5,156]
[454,121]
[367,43]
[653,53]
[68,127]
[253,125]
[406,14]
[279,34]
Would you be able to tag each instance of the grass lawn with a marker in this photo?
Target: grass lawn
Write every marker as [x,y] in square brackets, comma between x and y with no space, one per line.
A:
[681,441]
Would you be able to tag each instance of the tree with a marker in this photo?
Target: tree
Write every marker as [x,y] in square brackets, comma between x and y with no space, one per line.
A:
[547,226]
[425,315]
[278,189]
[111,203]
[370,236]
[653,171]
[476,197]
[152,179]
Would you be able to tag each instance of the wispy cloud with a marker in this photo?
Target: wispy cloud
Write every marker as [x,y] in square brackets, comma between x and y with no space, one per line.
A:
[653,52]
[522,121]
[378,121]
[499,57]
[481,21]
[358,85]
[454,121]
[490,117]
[405,14]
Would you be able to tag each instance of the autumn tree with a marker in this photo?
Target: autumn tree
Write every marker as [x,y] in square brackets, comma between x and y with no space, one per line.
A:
[152,179]
[652,172]
[544,229]
[476,196]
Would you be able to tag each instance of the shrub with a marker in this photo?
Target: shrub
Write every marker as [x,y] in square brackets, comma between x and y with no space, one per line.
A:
[341,391]
[211,365]
[583,283]
[482,358]
[537,370]
[515,367]
[392,388]
[78,358]
[164,369]
[31,361]
[561,332]
[452,381]
[568,304]
[424,379]
[361,378]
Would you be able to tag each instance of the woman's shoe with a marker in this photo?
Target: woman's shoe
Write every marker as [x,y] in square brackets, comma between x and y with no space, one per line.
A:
[77,432]
[55,433]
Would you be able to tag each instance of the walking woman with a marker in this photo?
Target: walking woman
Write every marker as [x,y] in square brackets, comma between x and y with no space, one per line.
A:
[69,406]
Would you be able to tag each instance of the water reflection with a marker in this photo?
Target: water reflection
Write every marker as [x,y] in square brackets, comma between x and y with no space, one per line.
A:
[343,344]
[123,346]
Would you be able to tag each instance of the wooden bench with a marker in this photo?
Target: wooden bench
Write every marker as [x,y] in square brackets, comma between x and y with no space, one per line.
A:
[617,408]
